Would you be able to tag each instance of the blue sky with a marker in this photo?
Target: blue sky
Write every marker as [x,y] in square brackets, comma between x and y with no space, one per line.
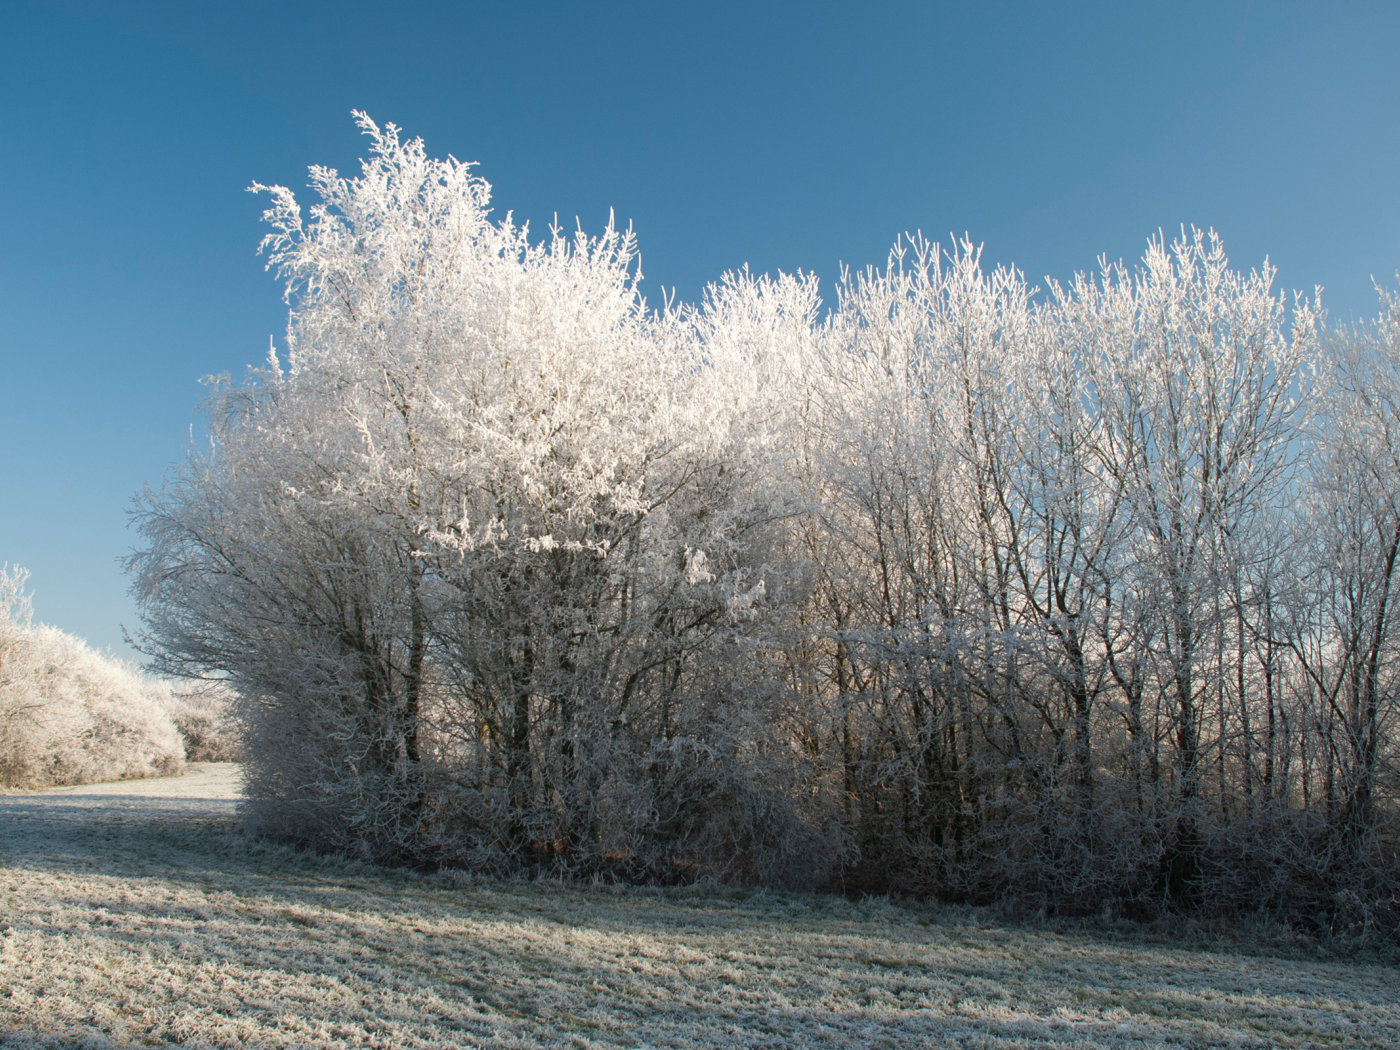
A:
[784,136]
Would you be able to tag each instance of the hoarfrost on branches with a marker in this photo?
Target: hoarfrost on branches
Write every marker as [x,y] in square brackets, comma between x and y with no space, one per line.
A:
[1080,597]
[69,715]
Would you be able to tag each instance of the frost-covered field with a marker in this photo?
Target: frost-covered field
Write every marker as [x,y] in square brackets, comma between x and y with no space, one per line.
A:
[135,915]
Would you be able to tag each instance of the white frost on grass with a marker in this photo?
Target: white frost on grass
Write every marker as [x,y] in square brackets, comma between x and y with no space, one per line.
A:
[136,914]
[211,781]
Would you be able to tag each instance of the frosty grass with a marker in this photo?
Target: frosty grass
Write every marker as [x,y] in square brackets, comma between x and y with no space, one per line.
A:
[135,914]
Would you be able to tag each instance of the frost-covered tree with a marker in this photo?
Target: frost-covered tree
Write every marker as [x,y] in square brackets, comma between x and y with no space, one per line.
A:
[1342,623]
[476,547]
[1195,376]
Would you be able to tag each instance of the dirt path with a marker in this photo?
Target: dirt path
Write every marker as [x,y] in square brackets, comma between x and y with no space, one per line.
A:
[137,915]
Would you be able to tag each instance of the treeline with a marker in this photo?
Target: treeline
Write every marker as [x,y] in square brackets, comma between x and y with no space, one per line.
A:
[1080,600]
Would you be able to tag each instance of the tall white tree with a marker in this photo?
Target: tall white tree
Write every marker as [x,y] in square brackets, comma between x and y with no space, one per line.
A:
[1196,376]
[467,548]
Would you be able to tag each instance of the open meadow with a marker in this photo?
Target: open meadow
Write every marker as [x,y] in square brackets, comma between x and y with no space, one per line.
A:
[136,914]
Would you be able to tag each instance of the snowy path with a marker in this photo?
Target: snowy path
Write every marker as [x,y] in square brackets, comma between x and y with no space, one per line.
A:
[136,914]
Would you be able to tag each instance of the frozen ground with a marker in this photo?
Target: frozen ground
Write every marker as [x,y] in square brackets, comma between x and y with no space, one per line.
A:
[135,915]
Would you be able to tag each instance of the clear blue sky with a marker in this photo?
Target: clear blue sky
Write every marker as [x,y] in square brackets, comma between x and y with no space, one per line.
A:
[782,135]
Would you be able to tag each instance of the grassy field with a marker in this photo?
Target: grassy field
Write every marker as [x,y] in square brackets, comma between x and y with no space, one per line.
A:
[136,915]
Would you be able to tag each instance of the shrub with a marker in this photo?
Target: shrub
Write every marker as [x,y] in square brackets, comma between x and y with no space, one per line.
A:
[70,715]
[203,712]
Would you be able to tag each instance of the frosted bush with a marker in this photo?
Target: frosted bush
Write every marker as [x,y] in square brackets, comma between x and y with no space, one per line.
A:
[203,713]
[70,715]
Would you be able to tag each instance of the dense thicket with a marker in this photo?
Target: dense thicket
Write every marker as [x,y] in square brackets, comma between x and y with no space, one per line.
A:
[1080,599]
